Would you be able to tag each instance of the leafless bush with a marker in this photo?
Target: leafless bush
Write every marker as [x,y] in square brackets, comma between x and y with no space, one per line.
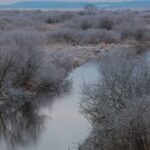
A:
[13,22]
[59,17]
[50,75]
[81,22]
[106,22]
[49,78]
[94,36]
[140,34]
[28,55]
[90,36]
[118,105]
[7,61]
[20,57]
[65,35]
[127,24]
[22,61]
[62,61]
[24,64]
[125,30]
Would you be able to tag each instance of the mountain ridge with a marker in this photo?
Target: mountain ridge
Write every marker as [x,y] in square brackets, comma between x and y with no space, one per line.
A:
[76,5]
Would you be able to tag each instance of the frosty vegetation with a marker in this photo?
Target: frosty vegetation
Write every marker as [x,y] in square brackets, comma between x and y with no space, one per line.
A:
[104,26]
[23,61]
[90,26]
[118,105]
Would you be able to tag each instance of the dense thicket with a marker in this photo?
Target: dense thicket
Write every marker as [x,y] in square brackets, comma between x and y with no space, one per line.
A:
[118,105]
[106,26]
[23,63]
[82,27]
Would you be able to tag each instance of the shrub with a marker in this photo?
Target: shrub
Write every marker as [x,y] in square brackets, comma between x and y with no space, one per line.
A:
[49,78]
[94,36]
[140,33]
[21,55]
[51,74]
[65,35]
[126,31]
[80,22]
[59,17]
[28,56]
[106,23]
[7,61]
[118,105]
[90,36]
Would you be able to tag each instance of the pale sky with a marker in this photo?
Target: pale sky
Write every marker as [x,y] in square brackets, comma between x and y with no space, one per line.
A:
[12,1]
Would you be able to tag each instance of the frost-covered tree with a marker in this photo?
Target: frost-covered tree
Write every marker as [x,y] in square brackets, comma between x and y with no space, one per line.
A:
[118,105]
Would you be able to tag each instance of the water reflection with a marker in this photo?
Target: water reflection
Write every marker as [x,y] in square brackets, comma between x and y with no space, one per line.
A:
[22,126]
[22,121]
[47,122]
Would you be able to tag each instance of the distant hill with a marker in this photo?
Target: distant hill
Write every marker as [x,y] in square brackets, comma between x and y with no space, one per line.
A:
[75,5]
[45,5]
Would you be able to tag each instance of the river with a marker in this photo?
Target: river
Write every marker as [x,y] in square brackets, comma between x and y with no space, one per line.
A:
[56,125]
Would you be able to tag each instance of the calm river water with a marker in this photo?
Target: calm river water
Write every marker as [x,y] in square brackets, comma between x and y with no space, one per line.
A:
[53,126]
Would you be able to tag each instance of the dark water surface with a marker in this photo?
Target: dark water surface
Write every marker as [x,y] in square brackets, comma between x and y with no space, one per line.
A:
[49,124]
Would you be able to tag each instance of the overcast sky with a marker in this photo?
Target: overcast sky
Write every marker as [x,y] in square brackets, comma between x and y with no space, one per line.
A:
[12,1]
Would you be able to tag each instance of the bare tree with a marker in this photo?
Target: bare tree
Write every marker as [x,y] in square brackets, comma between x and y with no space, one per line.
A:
[118,105]
[7,61]
[28,56]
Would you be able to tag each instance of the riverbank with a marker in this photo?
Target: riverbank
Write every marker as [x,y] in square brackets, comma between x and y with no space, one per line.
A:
[80,54]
